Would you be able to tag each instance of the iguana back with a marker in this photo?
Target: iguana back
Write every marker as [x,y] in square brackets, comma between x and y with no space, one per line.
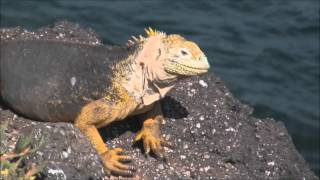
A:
[52,81]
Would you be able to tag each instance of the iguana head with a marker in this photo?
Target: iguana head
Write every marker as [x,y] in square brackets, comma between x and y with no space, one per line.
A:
[169,56]
[183,57]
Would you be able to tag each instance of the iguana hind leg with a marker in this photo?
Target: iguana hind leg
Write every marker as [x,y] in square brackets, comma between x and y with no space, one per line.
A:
[150,132]
[98,114]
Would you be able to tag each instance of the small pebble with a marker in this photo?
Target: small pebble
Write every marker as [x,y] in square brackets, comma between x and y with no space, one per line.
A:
[198,125]
[271,163]
[206,168]
[267,173]
[73,81]
[203,83]
[187,173]
[160,166]
[230,129]
[183,156]
[168,137]
[65,154]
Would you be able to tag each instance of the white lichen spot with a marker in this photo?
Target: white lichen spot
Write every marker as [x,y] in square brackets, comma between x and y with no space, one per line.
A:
[271,163]
[198,125]
[167,137]
[183,156]
[73,81]
[230,129]
[213,131]
[258,154]
[201,118]
[267,173]
[185,146]
[206,156]
[62,132]
[65,154]
[160,166]
[58,173]
[187,173]
[206,168]
[203,83]
[184,130]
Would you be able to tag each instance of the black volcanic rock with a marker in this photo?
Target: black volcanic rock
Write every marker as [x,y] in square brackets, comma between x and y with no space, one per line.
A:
[66,153]
[214,136]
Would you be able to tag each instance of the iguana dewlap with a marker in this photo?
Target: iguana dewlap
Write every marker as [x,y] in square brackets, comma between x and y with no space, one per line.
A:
[93,86]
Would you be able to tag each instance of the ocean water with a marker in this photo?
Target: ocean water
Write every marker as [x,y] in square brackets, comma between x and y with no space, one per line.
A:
[267,52]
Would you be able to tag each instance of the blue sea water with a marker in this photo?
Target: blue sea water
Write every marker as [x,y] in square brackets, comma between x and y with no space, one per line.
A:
[267,52]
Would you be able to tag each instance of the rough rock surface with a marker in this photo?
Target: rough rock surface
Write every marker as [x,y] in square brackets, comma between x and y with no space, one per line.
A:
[214,136]
[66,153]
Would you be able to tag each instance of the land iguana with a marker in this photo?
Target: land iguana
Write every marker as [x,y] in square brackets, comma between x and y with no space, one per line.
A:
[93,86]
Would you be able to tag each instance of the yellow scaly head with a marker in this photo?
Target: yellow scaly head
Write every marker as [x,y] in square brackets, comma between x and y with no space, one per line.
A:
[169,56]
[184,57]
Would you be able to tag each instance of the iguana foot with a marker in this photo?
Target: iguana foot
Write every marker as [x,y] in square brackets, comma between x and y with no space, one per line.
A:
[113,162]
[152,141]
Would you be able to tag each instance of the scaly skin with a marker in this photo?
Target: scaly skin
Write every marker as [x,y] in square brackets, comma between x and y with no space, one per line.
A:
[139,79]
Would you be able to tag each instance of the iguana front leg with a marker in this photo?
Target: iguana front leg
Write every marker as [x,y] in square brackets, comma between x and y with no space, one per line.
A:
[150,132]
[98,114]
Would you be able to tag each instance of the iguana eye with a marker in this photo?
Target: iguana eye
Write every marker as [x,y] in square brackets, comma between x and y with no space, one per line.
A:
[184,52]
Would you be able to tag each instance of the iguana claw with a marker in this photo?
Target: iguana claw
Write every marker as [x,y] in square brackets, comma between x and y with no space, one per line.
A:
[152,142]
[114,163]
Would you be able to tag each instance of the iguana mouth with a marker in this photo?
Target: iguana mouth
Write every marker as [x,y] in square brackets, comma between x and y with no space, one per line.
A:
[188,67]
[181,69]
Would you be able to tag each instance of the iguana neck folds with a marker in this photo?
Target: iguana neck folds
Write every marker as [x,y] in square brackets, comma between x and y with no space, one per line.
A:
[148,82]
